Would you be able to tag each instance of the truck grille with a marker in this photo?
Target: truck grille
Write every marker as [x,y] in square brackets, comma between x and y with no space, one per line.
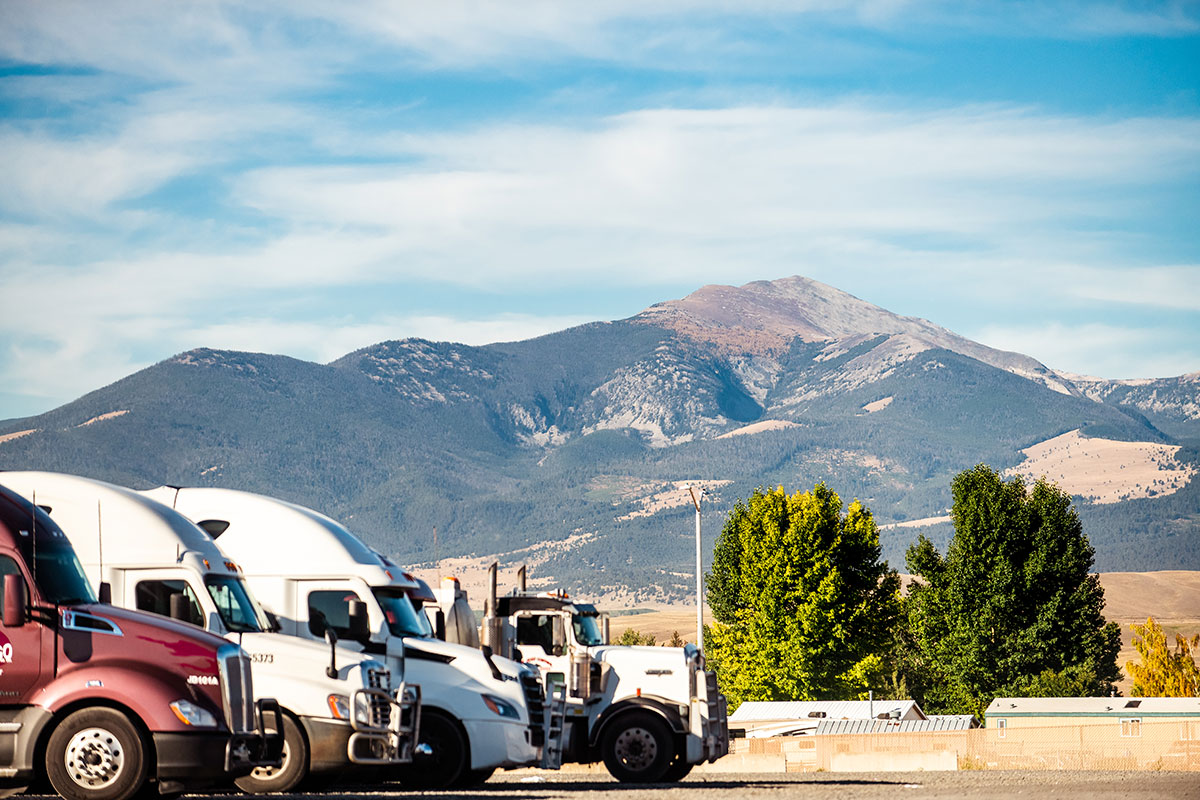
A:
[535,701]
[237,689]
[381,706]
[717,714]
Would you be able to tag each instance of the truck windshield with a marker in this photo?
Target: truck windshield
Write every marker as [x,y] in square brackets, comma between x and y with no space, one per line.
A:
[587,629]
[238,611]
[59,575]
[402,618]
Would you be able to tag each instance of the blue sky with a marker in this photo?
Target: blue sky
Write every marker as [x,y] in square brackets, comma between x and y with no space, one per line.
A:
[308,178]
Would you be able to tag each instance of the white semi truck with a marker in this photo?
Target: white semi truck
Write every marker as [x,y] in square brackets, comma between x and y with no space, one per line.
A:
[479,713]
[339,708]
[650,713]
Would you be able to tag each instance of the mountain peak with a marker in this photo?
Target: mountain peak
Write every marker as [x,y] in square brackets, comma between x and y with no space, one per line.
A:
[764,317]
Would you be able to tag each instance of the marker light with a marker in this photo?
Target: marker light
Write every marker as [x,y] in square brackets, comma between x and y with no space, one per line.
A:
[500,706]
[339,706]
[193,715]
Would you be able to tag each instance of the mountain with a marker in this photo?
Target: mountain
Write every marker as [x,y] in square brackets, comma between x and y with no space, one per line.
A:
[570,450]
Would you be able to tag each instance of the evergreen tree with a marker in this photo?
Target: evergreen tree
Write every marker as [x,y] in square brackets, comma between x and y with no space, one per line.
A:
[803,605]
[1164,672]
[634,637]
[1011,609]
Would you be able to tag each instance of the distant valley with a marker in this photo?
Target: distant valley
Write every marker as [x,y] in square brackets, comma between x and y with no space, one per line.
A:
[573,449]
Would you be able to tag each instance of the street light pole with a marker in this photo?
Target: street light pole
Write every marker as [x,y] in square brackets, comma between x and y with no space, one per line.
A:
[697,495]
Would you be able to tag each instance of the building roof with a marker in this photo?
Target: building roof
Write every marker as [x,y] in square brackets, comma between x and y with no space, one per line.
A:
[763,710]
[937,722]
[1094,706]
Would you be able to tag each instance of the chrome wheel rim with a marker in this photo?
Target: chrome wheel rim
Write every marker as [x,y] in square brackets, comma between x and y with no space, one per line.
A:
[94,758]
[270,773]
[636,748]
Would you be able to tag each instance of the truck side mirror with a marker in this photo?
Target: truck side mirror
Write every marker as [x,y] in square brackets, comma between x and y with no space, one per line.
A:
[316,623]
[16,597]
[105,594]
[360,626]
[180,608]
[560,635]
[439,625]
[273,625]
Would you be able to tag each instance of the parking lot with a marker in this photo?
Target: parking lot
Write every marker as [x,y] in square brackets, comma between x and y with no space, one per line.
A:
[810,786]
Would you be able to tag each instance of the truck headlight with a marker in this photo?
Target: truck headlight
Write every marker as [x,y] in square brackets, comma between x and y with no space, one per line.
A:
[500,706]
[193,715]
[339,706]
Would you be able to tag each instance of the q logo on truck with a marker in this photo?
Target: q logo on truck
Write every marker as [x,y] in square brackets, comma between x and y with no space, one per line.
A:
[6,650]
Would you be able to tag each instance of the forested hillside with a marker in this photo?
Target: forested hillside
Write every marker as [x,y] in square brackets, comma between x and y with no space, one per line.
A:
[573,435]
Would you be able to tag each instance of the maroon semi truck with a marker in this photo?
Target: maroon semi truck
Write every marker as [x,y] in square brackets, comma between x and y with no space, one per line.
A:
[103,702]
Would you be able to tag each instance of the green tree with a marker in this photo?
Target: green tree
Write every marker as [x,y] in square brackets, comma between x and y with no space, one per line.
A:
[675,641]
[1164,672]
[803,605]
[1012,608]
[632,636]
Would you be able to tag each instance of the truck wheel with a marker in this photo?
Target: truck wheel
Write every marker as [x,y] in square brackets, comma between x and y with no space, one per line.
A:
[474,777]
[637,747]
[291,770]
[448,763]
[96,754]
[678,770]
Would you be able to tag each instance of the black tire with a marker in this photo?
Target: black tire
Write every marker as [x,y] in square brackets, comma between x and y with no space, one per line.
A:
[289,773]
[96,754]
[450,761]
[474,777]
[638,747]
[678,770]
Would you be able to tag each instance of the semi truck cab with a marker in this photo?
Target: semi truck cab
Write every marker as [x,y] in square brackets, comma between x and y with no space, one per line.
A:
[339,708]
[104,702]
[650,713]
[476,711]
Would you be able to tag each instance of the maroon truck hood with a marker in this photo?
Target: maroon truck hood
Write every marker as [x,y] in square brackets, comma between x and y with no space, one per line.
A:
[147,639]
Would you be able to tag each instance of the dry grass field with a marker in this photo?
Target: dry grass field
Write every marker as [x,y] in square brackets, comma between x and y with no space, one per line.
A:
[1106,471]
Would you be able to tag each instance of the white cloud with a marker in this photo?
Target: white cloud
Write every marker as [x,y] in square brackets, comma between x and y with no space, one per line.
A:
[685,193]
[1108,351]
[245,47]
[1174,287]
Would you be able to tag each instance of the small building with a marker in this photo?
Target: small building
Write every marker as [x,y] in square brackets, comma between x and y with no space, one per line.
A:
[1126,714]
[761,718]
[1097,732]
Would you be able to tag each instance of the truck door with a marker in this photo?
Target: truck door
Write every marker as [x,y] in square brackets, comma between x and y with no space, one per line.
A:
[328,598]
[20,648]
[151,590]
[541,640]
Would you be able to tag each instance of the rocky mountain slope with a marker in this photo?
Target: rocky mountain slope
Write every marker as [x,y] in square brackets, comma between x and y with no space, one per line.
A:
[562,443]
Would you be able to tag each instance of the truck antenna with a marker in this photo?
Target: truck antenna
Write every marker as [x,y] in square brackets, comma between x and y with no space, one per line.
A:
[33,531]
[99,542]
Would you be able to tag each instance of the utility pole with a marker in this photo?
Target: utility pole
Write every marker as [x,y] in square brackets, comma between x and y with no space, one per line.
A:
[697,495]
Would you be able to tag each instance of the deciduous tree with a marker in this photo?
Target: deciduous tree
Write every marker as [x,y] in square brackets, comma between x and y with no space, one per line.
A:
[1163,671]
[803,605]
[1012,608]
